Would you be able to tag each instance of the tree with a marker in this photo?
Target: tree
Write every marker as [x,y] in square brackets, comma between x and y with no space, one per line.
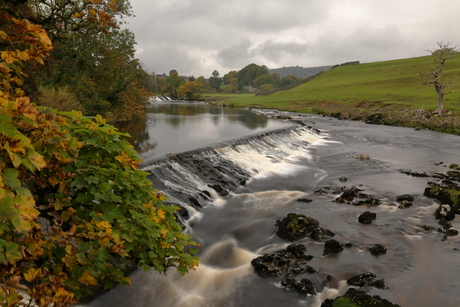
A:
[288,80]
[73,204]
[445,52]
[215,81]
[172,83]
[263,79]
[190,90]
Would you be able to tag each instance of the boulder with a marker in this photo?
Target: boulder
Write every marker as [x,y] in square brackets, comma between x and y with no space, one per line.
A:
[367,217]
[405,204]
[444,212]
[348,195]
[360,298]
[291,260]
[295,226]
[332,247]
[405,197]
[378,250]
[318,233]
[361,280]
[304,286]
[367,200]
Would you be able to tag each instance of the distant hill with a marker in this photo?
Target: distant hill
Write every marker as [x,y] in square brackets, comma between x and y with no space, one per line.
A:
[299,72]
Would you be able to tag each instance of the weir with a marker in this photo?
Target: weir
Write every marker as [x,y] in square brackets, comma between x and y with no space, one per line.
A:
[194,179]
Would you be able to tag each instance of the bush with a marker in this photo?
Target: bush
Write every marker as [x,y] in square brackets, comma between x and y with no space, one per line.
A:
[60,99]
[73,205]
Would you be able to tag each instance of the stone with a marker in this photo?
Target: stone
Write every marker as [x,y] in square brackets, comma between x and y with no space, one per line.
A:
[378,250]
[367,217]
[369,200]
[332,247]
[348,195]
[405,197]
[361,280]
[305,200]
[405,204]
[355,297]
[286,261]
[444,212]
[343,179]
[318,233]
[304,286]
[295,226]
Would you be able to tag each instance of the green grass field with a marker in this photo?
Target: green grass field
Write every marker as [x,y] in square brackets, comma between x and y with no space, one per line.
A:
[396,83]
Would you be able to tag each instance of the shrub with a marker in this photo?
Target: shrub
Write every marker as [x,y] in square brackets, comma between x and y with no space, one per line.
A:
[60,99]
[73,204]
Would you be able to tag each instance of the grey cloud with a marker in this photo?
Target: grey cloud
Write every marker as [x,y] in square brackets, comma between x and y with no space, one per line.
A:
[277,51]
[198,36]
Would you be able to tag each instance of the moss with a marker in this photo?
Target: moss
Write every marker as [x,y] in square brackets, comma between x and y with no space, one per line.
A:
[344,302]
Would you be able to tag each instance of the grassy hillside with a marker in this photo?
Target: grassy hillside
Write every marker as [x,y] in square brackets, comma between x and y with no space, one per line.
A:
[372,85]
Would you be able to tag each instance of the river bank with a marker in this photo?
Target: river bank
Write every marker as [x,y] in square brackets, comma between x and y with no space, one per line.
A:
[371,112]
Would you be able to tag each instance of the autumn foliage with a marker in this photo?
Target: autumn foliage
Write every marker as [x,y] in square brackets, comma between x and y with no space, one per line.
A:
[73,203]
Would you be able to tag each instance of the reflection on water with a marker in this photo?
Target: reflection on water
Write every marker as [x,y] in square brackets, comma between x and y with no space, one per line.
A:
[172,127]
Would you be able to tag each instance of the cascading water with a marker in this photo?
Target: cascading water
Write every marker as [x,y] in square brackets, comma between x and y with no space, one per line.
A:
[232,194]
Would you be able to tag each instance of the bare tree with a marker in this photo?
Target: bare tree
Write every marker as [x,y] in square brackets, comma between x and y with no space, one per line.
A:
[445,52]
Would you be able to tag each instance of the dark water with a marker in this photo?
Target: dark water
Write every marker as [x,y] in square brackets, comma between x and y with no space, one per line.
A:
[419,269]
[172,127]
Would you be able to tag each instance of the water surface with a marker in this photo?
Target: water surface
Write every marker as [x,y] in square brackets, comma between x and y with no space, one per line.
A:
[174,126]
[419,268]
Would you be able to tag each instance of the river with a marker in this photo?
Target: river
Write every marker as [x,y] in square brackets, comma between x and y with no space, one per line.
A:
[232,188]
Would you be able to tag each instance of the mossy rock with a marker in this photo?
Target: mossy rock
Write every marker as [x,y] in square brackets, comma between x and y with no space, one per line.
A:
[295,226]
[358,298]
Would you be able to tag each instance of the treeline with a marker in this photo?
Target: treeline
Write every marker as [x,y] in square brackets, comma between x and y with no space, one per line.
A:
[91,65]
[251,78]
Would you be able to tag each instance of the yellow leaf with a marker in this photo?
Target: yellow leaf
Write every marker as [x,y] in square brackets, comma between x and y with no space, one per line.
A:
[161,213]
[87,279]
[103,224]
[78,15]
[39,60]
[23,55]
[8,56]
[33,274]
[3,35]
[113,7]
[37,160]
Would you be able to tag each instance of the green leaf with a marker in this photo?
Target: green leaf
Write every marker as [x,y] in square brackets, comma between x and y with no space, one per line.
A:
[12,252]
[10,178]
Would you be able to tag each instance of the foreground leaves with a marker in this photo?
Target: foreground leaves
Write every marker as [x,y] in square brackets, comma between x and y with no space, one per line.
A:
[74,205]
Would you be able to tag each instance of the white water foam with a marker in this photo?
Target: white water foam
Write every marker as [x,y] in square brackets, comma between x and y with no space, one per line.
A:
[208,285]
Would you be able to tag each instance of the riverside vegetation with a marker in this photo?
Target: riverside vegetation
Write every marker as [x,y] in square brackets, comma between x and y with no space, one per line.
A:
[74,207]
[388,92]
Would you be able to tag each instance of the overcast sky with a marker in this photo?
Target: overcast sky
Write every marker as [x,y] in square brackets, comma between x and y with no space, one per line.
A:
[196,37]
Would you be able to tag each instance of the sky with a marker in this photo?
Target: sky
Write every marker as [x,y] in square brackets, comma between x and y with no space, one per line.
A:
[196,37]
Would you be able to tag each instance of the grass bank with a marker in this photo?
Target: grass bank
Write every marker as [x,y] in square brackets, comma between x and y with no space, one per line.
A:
[387,92]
